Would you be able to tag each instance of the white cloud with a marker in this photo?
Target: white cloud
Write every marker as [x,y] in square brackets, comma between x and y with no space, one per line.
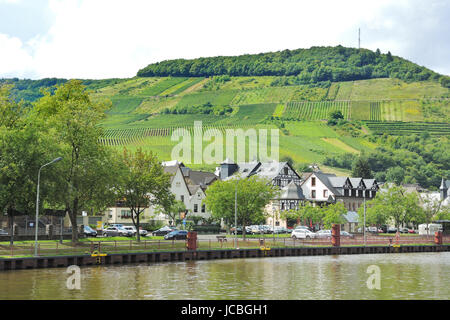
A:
[102,39]
[15,61]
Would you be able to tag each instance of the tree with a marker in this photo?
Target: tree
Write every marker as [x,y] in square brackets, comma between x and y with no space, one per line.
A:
[374,216]
[23,150]
[431,208]
[334,117]
[171,207]
[396,204]
[253,194]
[87,172]
[142,183]
[361,168]
[395,174]
[333,214]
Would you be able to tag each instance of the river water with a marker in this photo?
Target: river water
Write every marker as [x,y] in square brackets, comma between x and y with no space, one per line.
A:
[402,276]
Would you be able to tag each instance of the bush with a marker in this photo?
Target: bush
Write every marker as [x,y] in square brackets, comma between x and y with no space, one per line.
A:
[207,229]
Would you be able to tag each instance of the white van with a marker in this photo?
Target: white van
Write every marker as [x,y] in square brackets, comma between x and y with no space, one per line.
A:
[429,229]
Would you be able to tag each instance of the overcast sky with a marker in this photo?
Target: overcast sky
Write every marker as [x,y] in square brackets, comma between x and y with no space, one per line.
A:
[98,39]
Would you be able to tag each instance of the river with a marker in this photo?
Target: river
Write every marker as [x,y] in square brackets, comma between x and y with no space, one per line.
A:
[402,276]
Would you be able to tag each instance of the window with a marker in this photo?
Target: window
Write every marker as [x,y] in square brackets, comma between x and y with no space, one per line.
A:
[325,193]
[125,214]
[182,198]
[313,194]
[178,184]
[313,182]
[286,171]
[203,208]
[195,207]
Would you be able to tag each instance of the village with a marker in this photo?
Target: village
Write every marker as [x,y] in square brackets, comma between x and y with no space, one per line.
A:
[189,187]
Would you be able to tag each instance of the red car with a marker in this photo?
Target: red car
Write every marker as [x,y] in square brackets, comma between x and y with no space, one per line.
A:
[411,231]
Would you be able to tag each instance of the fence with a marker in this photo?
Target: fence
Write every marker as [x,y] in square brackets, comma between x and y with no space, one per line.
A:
[49,248]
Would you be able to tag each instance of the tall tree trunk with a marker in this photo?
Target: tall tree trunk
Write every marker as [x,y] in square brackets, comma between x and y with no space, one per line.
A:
[138,235]
[73,221]
[11,225]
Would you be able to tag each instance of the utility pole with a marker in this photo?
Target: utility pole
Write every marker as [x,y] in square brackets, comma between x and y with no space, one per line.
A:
[359,38]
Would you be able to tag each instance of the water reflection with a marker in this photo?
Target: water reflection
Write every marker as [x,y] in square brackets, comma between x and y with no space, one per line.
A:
[403,276]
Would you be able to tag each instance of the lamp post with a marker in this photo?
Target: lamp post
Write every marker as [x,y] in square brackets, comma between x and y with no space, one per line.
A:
[364,197]
[37,205]
[235,215]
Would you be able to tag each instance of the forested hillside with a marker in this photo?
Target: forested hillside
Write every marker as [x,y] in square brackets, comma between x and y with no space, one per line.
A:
[312,65]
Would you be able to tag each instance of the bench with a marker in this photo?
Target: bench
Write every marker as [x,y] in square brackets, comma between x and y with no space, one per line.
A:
[221,238]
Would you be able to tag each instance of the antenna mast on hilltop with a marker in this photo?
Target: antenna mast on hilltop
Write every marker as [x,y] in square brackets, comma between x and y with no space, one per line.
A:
[359,38]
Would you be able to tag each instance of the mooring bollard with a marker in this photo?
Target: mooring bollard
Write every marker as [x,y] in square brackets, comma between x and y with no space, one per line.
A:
[336,235]
[438,237]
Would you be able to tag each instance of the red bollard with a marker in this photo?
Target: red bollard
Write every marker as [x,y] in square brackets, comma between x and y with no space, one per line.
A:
[336,235]
[192,241]
[438,237]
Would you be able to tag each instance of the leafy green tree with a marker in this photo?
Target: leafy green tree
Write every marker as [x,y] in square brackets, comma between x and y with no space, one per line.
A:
[87,172]
[23,150]
[253,194]
[361,168]
[397,205]
[333,214]
[395,174]
[374,217]
[142,183]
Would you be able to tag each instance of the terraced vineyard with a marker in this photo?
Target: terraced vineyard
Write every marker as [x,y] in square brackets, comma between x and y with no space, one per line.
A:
[404,128]
[315,110]
[140,136]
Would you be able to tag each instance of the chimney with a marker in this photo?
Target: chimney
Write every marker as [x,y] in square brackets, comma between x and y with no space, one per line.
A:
[227,169]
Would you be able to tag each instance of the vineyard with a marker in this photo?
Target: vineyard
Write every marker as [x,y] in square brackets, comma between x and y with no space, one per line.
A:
[141,136]
[315,110]
[404,128]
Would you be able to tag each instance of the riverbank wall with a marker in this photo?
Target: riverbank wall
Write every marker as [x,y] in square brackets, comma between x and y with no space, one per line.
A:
[177,256]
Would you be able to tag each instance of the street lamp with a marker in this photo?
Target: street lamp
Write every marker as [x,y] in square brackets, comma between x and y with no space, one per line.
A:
[235,215]
[37,205]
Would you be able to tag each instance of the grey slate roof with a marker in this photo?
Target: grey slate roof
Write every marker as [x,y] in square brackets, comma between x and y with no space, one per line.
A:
[292,192]
[351,217]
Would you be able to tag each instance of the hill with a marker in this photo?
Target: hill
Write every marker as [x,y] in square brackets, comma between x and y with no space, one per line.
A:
[302,66]
[380,112]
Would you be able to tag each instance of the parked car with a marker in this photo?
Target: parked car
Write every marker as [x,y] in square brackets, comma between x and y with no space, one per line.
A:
[176,235]
[302,234]
[280,230]
[412,231]
[266,229]
[404,230]
[89,232]
[391,230]
[238,231]
[303,227]
[254,229]
[3,232]
[373,230]
[142,232]
[117,232]
[347,235]
[323,234]
[163,231]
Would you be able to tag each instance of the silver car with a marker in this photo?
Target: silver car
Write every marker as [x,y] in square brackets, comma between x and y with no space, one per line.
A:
[323,234]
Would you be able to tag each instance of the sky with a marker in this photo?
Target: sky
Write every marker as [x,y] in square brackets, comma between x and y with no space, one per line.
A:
[98,39]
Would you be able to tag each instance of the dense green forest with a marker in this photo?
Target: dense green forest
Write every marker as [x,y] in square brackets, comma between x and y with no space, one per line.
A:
[421,159]
[313,65]
[31,90]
